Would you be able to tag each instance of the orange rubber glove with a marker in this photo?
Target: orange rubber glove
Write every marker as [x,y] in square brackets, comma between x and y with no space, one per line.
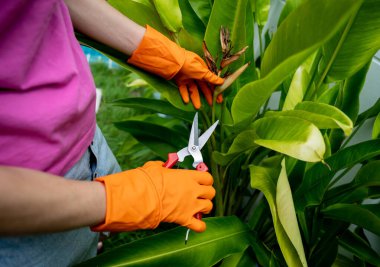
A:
[142,198]
[159,55]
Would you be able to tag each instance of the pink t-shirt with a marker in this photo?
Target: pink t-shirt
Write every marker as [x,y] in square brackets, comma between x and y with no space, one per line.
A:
[47,94]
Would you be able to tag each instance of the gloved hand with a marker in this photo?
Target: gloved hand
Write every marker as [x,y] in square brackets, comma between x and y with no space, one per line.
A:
[142,198]
[159,55]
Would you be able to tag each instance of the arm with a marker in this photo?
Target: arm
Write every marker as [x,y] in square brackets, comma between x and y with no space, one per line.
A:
[149,49]
[36,202]
[100,21]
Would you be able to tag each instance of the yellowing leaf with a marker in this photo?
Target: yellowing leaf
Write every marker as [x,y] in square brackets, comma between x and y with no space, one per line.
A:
[292,136]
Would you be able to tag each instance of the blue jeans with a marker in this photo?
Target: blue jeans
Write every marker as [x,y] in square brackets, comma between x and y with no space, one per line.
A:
[69,247]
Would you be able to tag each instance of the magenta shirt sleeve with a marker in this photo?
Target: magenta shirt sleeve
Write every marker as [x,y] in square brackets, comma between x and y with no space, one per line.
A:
[47,94]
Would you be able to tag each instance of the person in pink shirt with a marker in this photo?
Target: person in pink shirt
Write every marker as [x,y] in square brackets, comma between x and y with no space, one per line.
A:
[48,131]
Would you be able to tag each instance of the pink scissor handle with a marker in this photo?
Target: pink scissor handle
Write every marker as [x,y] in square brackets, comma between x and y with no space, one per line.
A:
[172,160]
[202,167]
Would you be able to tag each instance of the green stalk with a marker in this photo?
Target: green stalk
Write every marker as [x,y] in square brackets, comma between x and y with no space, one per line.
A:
[219,211]
[214,170]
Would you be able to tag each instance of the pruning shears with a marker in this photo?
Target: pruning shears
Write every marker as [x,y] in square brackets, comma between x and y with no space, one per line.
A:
[193,149]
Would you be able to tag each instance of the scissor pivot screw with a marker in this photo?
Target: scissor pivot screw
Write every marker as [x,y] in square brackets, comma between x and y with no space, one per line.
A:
[193,148]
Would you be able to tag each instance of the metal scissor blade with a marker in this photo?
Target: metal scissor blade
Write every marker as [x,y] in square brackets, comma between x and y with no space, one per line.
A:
[206,135]
[193,139]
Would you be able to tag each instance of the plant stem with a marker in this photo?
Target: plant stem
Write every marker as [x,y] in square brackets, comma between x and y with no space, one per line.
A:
[213,108]
[219,211]
[214,170]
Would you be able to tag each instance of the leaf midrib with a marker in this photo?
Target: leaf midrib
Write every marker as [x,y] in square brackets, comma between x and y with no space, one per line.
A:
[179,250]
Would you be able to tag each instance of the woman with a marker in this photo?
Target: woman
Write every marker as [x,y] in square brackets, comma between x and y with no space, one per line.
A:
[48,131]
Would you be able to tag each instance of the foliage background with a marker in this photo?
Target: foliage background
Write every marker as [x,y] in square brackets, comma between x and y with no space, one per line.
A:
[321,207]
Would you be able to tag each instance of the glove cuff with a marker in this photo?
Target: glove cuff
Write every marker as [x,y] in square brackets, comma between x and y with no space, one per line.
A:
[158,55]
[132,202]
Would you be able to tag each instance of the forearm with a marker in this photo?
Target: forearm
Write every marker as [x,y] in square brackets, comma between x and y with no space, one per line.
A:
[36,202]
[100,21]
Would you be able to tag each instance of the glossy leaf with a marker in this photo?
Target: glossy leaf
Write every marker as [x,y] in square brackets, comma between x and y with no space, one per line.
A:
[290,6]
[271,179]
[358,46]
[343,261]
[242,142]
[361,188]
[360,248]
[202,8]
[369,113]
[368,175]
[168,140]
[261,10]
[170,14]
[297,88]
[351,93]
[329,96]
[191,36]
[140,11]
[287,214]
[376,127]
[159,106]
[240,259]
[313,188]
[291,136]
[224,236]
[301,34]
[366,216]
[322,115]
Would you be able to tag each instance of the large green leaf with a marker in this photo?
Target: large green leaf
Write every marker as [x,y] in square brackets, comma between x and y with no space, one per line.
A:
[369,113]
[291,136]
[160,139]
[273,182]
[301,33]
[329,96]
[191,36]
[237,17]
[156,105]
[376,127]
[202,8]
[287,214]
[140,11]
[356,245]
[242,142]
[321,115]
[351,93]
[343,261]
[170,14]
[290,6]
[297,88]
[357,45]
[367,178]
[366,216]
[318,177]
[223,237]
[261,10]
[242,259]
